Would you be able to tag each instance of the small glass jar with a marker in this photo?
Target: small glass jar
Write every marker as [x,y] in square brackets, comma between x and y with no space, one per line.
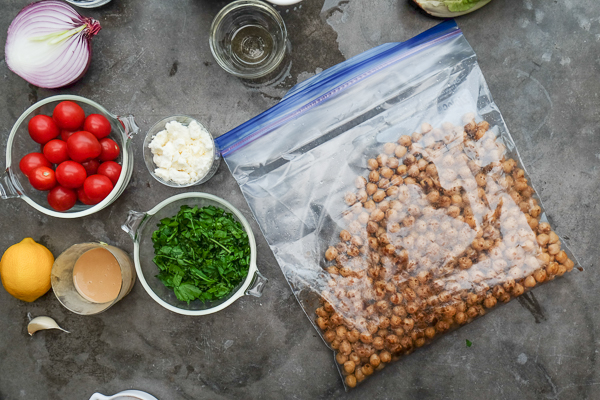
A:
[64,288]
[248,39]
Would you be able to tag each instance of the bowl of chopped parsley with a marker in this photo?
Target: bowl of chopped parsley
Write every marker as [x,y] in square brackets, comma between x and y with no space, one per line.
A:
[195,253]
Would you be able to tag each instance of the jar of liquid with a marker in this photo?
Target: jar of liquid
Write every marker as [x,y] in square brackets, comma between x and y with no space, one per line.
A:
[89,278]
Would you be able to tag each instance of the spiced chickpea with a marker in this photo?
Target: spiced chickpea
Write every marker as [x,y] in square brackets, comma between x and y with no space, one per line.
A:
[372,164]
[341,358]
[362,195]
[341,332]
[329,336]
[331,253]
[552,268]
[472,312]
[345,235]
[354,357]
[378,343]
[554,249]
[349,366]
[379,196]
[373,177]
[392,162]
[367,369]
[351,381]
[561,257]
[382,159]
[377,215]
[359,374]
[460,318]
[345,347]
[561,270]
[433,197]
[405,141]
[366,337]
[371,189]
[389,148]
[321,312]
[529,282]
[490,302]
[409,160]
[360,182]
[350,198]
[386,172]
[535,211]
[518,290]
[569,265]
[544,227]
[385,356]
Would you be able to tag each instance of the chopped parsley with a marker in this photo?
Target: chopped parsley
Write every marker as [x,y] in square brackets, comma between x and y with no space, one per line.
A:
[202,253]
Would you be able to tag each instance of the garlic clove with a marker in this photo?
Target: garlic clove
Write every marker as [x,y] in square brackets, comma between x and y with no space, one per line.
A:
[42,323]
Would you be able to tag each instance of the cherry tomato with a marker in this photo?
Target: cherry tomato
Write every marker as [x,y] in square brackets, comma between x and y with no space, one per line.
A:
[68,115]
[55,151]
[42,129]
[31,161]
[97,125]
[91,166]
[70,174]
[110,150]
[65,134]
[111,170]
[83,146]
[84,197]
[42,178]
[97,187]
[61,199]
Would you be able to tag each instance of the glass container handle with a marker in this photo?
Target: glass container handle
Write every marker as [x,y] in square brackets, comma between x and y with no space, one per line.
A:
[8,190]
[130,126]
[258,285]
[131,225]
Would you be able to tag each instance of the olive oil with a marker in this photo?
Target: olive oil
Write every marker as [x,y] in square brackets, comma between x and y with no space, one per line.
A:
[252,44]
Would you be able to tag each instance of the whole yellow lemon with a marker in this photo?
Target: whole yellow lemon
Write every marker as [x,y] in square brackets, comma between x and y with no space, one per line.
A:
[25,270]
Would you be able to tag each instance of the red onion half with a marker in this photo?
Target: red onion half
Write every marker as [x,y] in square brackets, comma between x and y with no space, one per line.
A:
[49,44]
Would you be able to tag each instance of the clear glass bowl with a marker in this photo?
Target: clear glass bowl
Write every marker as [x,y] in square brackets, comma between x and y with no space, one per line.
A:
[14,184]
[148,157]
[231,22]
[140,227]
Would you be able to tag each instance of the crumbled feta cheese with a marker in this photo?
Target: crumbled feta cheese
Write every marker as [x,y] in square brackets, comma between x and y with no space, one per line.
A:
[182,154]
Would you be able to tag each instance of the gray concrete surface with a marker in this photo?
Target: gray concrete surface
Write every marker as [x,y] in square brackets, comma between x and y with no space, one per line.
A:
[152,59]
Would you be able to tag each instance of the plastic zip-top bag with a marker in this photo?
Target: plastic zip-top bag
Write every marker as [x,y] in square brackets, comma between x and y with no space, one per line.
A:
[394,199]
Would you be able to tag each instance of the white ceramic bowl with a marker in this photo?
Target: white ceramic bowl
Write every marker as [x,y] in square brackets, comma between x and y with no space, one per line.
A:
[140,227]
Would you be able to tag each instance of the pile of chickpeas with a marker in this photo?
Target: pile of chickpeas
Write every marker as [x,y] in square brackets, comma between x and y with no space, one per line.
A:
[442,229]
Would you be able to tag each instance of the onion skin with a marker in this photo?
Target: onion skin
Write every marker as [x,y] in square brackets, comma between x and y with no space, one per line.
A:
[441,10]
[69,58]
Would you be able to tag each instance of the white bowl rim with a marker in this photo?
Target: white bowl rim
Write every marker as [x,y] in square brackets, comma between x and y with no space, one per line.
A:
[29,200]
[252,270]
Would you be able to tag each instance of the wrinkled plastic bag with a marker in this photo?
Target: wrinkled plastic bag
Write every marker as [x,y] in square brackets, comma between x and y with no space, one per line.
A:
[394,199]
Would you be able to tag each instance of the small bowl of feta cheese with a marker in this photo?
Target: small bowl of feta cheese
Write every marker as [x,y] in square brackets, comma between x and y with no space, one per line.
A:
[179,152]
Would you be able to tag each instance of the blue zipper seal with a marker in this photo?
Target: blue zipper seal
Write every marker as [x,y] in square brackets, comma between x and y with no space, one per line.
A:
[330,83]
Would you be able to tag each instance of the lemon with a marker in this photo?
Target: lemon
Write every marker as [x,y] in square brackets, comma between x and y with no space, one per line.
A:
[25,270]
